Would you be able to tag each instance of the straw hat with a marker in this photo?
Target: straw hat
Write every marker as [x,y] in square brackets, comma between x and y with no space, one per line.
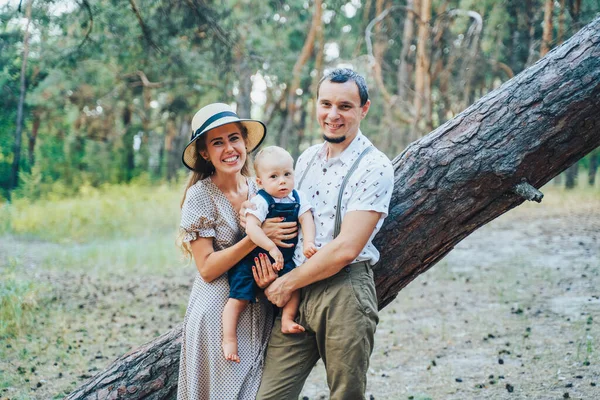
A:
[213,116]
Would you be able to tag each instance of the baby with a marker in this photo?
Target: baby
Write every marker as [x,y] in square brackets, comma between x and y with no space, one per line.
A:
[274,169]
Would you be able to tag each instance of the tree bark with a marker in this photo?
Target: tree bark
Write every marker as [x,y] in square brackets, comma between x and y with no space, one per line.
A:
[148,372]
[467,172]
[14,177]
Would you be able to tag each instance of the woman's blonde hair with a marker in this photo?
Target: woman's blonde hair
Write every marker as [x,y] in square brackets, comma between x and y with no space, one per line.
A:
[202,170]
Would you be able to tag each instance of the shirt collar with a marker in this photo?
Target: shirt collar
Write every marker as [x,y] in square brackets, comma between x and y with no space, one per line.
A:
[291,196]
[356,147]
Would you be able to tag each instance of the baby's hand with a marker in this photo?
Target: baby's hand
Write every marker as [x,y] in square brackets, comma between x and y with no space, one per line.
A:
[278,257]
[309,249]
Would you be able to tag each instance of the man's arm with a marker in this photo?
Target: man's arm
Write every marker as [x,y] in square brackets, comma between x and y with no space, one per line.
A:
[357,227]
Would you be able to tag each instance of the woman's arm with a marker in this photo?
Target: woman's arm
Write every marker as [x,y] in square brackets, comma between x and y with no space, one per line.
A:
[274,228]
[211,264]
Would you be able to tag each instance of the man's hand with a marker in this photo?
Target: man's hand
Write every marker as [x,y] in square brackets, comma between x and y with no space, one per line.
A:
[278,293]
[309,249]
[278,257]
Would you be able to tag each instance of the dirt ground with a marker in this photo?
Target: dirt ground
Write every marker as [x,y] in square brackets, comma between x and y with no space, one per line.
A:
[512,313]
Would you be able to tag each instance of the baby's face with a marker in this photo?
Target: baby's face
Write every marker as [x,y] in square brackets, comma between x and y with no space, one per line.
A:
[276,176]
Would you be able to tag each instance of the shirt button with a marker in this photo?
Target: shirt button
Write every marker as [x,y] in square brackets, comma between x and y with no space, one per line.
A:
[324,169]
[317,192]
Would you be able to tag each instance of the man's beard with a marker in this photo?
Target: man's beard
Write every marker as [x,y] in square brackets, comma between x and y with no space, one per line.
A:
[334,140]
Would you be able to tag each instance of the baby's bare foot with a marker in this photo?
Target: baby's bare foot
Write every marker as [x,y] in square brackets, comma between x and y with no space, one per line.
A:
[230,350]
[289,326]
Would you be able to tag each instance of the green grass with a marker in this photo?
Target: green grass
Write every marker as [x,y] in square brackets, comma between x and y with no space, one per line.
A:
[18,300]
[113,211]
[149,254]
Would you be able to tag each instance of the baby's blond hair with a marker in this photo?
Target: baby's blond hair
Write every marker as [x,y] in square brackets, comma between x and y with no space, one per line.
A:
[268,152]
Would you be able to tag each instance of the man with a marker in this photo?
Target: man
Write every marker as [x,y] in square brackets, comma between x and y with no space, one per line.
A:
[339,305]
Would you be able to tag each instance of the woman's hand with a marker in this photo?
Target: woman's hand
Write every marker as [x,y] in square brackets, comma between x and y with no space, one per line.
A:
[279,231]
[263,271]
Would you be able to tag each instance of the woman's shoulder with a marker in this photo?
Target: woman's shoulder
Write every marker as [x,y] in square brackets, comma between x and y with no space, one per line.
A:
[199,194]
[252,186]
[202,187]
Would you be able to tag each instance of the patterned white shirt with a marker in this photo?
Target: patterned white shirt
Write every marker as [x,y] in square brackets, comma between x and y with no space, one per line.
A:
[262,207]
[368,189]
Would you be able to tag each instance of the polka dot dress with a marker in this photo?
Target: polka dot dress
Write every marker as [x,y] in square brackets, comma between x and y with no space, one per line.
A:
[203,371]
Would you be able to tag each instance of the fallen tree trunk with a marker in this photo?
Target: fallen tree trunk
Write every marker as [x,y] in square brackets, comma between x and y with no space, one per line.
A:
[465,173]
[469,171]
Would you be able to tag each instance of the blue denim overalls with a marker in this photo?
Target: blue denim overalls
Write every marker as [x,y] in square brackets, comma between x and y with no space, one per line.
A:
[241,282]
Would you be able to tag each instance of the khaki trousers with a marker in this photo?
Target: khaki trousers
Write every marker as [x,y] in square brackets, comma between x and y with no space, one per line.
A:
[340,318]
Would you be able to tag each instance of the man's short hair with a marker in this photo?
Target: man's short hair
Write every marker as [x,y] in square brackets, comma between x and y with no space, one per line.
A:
[342,75]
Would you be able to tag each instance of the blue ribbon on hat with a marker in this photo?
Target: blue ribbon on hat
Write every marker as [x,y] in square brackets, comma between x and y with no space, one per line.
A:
[212,119]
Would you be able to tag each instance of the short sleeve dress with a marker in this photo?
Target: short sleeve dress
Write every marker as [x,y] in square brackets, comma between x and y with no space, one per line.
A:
[203,371]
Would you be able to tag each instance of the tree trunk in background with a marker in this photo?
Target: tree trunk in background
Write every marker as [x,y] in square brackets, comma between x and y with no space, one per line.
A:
[128,139]
[178,134]
[422,80]
[571,176]
[593,168]
[561,23]
[35,128]
[307,49]
[312,106]
[403,76]
[461,176]
[532,18]
[575,10]
[14,178]
[300,127]
[548,29]
[513,23]
[244,77]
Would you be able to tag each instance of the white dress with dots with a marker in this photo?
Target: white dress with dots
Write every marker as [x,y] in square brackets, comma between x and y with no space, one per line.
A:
[203,371]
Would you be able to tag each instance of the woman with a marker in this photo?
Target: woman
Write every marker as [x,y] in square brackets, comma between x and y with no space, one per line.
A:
[211,232]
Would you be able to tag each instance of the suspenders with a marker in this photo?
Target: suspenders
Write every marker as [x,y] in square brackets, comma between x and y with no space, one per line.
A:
[338,217]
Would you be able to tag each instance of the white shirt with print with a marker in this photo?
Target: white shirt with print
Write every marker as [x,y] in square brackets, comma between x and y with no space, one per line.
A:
[368,189]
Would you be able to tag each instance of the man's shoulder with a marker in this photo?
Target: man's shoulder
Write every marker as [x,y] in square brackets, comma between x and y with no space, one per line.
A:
[309,153]
[377,159]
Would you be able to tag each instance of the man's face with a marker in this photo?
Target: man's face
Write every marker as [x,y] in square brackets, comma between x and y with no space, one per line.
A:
[339,111]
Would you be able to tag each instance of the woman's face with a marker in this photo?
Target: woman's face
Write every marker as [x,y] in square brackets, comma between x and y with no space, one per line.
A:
[225,148]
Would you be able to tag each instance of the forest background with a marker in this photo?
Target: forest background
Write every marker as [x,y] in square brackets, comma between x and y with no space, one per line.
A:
[96,102]
[102,92]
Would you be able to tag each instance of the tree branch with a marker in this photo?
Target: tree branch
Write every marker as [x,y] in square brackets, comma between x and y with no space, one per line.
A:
[145,29]
[86,5]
